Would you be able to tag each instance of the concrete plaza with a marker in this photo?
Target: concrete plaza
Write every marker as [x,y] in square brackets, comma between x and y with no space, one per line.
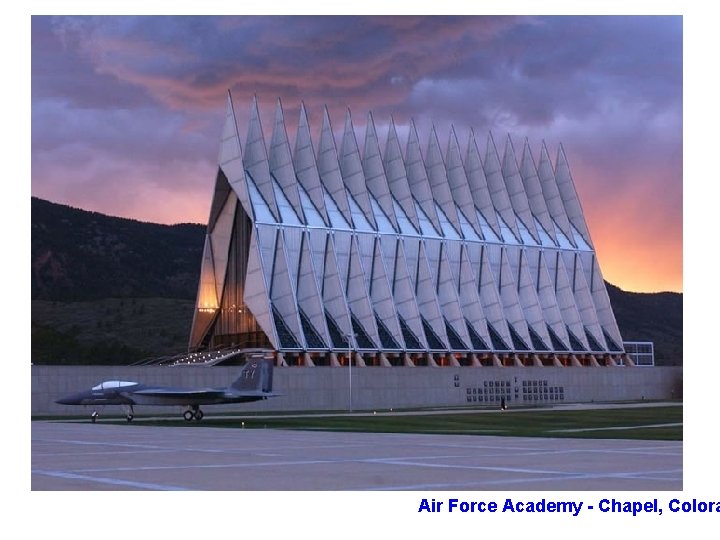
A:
[85,456]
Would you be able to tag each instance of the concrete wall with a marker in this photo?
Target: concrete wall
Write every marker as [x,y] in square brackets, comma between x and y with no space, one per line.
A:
[327,388]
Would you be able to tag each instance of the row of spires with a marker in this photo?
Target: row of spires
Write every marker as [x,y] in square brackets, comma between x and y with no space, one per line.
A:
[502,191]
[492,186]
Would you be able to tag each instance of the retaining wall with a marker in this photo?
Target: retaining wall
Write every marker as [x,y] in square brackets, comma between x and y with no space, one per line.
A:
[327,388]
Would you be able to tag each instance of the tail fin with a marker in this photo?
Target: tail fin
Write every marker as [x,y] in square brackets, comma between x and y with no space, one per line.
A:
[255,376]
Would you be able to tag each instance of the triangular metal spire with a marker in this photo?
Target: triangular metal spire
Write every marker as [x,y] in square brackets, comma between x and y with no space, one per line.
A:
[333,295]
[265,238]
[375,179]
[511,302]
[566,186]
[489,292]
[583,296]
[516,190]
[382,300]
[309,300]
[281,164]
[447,292]
[220,196]
[359,301]
[548,298]
[417,178]
[284,300]
[352,171]
[255,160]
[256,294]
[496,185]
[527,293]
[437,177]
[479,187]
[230,162]
[552,198]
[397,175]
[404,296]
[458,182]
[329,168]
[427,300]
[470,300]
[605,314]
[566,301]
[534,193]
[306,167]
[292,240]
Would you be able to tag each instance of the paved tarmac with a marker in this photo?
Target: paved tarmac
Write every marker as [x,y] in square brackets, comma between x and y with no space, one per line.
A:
[85,456]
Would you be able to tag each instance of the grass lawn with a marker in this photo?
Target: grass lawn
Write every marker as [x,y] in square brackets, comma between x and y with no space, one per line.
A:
[650,423]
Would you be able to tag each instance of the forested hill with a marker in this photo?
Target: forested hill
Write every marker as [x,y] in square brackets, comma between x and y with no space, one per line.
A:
[656,317]
[80,255]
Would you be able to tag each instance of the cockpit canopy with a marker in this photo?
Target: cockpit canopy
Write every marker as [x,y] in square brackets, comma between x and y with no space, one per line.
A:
[110,385]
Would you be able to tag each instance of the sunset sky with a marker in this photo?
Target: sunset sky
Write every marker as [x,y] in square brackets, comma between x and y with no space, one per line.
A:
[127,111]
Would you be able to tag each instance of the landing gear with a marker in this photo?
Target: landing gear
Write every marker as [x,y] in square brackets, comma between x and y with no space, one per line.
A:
[94,416]
[130,413]
[193,412]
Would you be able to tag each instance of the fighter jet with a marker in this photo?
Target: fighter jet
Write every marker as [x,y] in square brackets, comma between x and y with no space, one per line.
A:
[253,384]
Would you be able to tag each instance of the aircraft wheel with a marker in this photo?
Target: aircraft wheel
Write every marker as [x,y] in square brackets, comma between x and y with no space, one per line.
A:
[130,417]
[199,415]
[93,418]
[188,415]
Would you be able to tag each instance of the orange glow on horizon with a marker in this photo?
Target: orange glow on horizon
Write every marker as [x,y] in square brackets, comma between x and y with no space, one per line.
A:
[629,257]
[637,234]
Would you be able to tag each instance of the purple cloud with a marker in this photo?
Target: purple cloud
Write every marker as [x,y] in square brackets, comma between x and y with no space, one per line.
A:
[139,100]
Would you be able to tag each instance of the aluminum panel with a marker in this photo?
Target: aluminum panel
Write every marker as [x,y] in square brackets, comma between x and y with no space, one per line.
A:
[570,200]
[417,178]
[497,187]
[552,197]
[256,294]
[426,296]
[308,295]
[381,295]
[511,302]
[374,170]
[534,193]
[255,160]
[478,186]
[329,168]
[305,166]
[281,164]
[459,186]
[352,171]
[403,292]
[516,190]
[470,302]
[437,176]
[397,176]
[282,292]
